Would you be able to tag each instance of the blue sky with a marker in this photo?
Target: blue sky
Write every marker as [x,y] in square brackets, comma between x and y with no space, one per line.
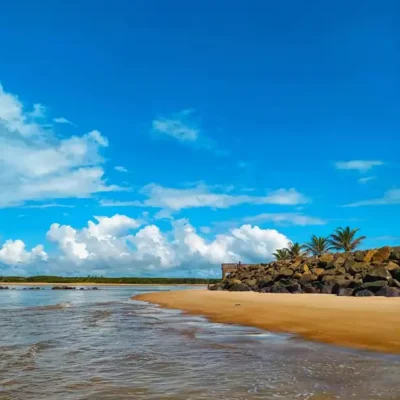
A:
[197,132]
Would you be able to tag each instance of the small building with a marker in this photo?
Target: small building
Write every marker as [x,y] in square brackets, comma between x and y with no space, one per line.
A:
[227,268]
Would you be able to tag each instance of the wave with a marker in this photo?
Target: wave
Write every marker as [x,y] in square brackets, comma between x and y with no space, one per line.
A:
[58,306]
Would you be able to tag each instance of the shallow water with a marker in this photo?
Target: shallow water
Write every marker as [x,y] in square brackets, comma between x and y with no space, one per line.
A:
[102,345]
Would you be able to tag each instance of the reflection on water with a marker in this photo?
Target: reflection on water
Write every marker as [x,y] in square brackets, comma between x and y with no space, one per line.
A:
[102,345]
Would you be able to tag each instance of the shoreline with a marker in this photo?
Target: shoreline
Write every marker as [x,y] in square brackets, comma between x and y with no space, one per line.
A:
[369,323]
[33,284]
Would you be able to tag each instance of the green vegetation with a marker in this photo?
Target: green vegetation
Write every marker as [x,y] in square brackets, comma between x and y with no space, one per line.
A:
[343,239]
[281,254]
[100,279]
[317,246]
[295,250]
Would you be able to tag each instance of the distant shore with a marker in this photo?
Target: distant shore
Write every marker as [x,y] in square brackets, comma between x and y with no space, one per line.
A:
[369,323]
[33,284]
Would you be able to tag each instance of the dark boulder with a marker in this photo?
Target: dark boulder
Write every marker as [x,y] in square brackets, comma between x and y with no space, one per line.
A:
[307,278]
[311,289]
[239,287]
[388,292]
[359,255]
[266,281]
[359,267]
[364,293]
[340,284]
[63,288]
[285,272]
[279,289]
[395,253]
[345,292]
[377,274]
[373,286]
[327,288]
[294,288]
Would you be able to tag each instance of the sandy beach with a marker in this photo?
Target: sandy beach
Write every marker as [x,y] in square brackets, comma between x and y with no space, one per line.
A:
[371,323]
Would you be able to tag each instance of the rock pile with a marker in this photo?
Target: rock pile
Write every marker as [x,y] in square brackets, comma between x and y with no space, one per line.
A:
[71,288]
[361,273]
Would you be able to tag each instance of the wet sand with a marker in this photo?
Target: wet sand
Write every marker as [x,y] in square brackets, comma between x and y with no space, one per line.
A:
[362,323]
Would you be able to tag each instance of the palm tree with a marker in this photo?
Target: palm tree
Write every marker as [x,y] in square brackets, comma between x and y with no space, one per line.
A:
[318,245]
[281,254]
[343,239]
[295,250]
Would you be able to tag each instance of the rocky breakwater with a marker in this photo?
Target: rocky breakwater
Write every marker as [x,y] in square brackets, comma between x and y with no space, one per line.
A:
[362,273]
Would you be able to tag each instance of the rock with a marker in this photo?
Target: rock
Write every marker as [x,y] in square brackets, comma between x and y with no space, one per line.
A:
[307,278]
[339,262]
[318,271]
[329,279]
[368,255]
[325,259]
[327,272]
[63,288]
[267,280]
[279,289]
[395,253]
[304,269]
[396,274]
[345,292]
[359,255]
[359,267]
[239,287]
[388,292]
[382,254]
[340,271]
[327,288]
[217,286]
[395,283]
[377,274]
[391,266]
[339,285]
[374,286]
[311,289]
[250,282]
[355,283]
[286,272]
[294,288]
[3,287]
[363,293]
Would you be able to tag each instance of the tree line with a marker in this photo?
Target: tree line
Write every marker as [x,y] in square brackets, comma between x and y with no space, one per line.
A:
[100,279]
[343,239]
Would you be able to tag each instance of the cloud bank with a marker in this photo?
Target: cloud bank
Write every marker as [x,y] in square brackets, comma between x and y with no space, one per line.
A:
[120,245]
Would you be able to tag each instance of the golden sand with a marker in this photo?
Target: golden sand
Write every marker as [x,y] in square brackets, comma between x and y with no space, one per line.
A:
[371,323]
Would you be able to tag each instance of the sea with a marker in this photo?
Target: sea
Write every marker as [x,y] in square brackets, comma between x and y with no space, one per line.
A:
[100,344]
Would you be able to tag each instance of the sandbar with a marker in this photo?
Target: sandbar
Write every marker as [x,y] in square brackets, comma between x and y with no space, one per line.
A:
[369,323]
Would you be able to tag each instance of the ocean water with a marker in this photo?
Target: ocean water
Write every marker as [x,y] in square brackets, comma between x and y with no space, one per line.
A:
[102,345]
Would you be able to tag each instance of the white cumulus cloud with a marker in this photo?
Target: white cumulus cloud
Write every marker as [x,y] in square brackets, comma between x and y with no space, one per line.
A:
[37,165]
[120,245]
[13,252]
